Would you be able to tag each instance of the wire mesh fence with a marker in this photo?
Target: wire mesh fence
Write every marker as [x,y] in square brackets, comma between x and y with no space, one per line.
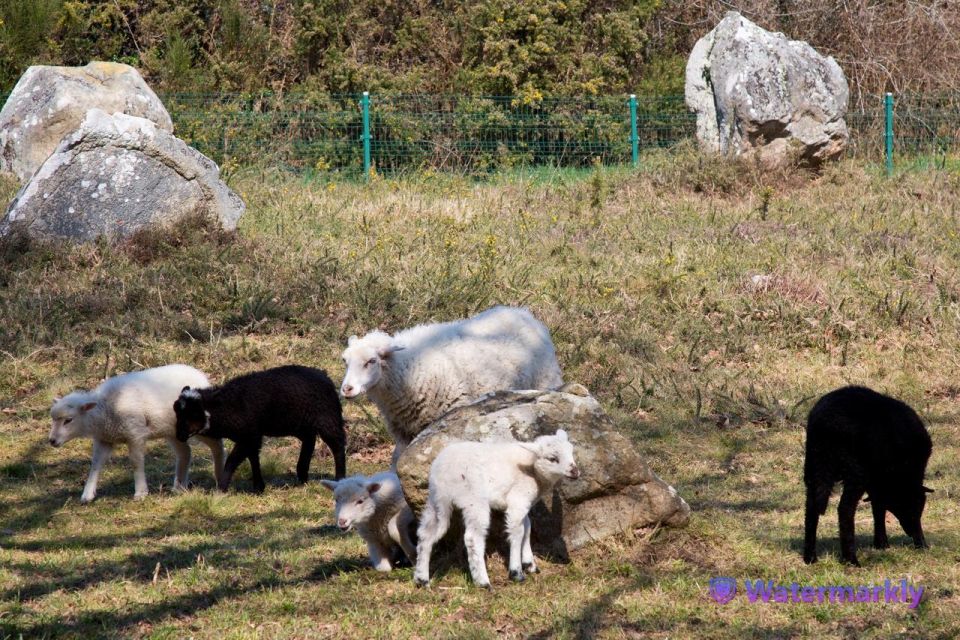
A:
[482,134]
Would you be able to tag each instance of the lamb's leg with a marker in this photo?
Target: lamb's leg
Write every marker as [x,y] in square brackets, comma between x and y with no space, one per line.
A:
[879,525]
[515,517]
[181,452]
[218,454]
[399,529]
[379,556]
[253,453]
[237,455]
[817,497]
[101,453]
[526,558]
[136,451]
[307,445]
[845,513]
[433,524]
[476,522]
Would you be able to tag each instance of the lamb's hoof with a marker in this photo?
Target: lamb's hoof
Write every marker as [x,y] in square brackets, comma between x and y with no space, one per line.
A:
[139,497]
[486,586]
[880,544]
[517,576]
[810,558]
[531,567]
[421,582]
[86,500]
[853,562]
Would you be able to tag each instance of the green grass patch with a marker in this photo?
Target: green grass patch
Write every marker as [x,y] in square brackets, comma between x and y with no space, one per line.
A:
[705,305]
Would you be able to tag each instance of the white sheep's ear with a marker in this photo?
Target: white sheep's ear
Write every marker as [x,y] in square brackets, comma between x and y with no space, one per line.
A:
[351,340]
[330,484]
[386,352]
[530,446]
[87,406]
[373,487]
[562,435]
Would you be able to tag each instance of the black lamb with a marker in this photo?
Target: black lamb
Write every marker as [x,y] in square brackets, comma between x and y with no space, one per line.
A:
[873,444]
[286,401]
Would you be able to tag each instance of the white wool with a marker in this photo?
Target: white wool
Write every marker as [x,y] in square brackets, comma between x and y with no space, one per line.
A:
[131,408]
[421,373]
[376,508]
[476,477]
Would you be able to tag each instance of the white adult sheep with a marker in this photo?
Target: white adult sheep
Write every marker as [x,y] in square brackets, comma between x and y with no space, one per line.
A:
[131,408]
[375,506]
[476,477]
[421,373]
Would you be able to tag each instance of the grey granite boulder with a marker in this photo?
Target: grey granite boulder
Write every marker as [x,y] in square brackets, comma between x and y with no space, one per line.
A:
[49,103]
[117,174]
[756,92]
[616,490]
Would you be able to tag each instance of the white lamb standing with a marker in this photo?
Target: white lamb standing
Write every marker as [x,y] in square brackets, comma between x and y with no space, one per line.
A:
[131,408]
[419,374]
[375,506]
[476,477]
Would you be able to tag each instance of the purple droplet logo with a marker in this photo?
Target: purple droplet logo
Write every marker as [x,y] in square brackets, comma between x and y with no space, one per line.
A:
[723,589]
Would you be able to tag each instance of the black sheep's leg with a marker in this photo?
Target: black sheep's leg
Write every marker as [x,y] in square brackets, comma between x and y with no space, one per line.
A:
[254,454]
[338,447]
[237,455]
[307,445]
[879,524]
[845,513]
[817,498]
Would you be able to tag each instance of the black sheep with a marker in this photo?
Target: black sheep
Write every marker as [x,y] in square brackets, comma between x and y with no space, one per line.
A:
[873,444]
[285,401]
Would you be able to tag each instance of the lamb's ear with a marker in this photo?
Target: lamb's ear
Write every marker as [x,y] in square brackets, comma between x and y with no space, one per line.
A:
[386,352]
[329,484]
[87,406]
[373,487]
[186,388]
[351,340]
[927,489]
[530,446]
[562,435]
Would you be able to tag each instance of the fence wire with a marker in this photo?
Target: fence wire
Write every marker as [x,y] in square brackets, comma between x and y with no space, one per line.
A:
[482,134]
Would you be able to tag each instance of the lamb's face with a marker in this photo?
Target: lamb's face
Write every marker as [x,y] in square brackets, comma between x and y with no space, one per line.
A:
[191,416]
[555,456]
[365,359]
[67,416]
[353,499]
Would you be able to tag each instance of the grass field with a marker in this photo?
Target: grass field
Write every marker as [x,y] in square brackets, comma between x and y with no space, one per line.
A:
[705,306]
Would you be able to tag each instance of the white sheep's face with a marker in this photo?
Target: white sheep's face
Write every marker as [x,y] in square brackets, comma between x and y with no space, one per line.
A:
[555,456]
[66,416]
[365,359]
[353,499]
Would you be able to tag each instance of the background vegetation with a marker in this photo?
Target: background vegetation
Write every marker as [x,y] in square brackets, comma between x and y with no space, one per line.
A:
[492,47]
[705,304]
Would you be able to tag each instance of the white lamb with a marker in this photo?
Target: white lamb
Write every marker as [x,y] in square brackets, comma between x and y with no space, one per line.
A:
[421,373]
[378,510]
[131,408]
[476,477]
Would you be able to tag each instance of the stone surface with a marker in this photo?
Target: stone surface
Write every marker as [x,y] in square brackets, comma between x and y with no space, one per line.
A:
[756,92]
[49,103]
[616,491]
[117,174]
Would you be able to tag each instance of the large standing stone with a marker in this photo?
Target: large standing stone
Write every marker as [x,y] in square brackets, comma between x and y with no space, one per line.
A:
[118,174]
[757,92]
[49,103]
[616,490]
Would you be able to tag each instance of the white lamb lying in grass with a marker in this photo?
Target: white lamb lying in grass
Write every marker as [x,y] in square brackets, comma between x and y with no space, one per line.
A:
[375,506]
[476,477]
[131,408]
[419,374]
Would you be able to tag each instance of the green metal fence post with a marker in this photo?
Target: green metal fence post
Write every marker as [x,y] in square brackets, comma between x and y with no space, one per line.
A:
[365,136]
[888,131]
[634,137]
